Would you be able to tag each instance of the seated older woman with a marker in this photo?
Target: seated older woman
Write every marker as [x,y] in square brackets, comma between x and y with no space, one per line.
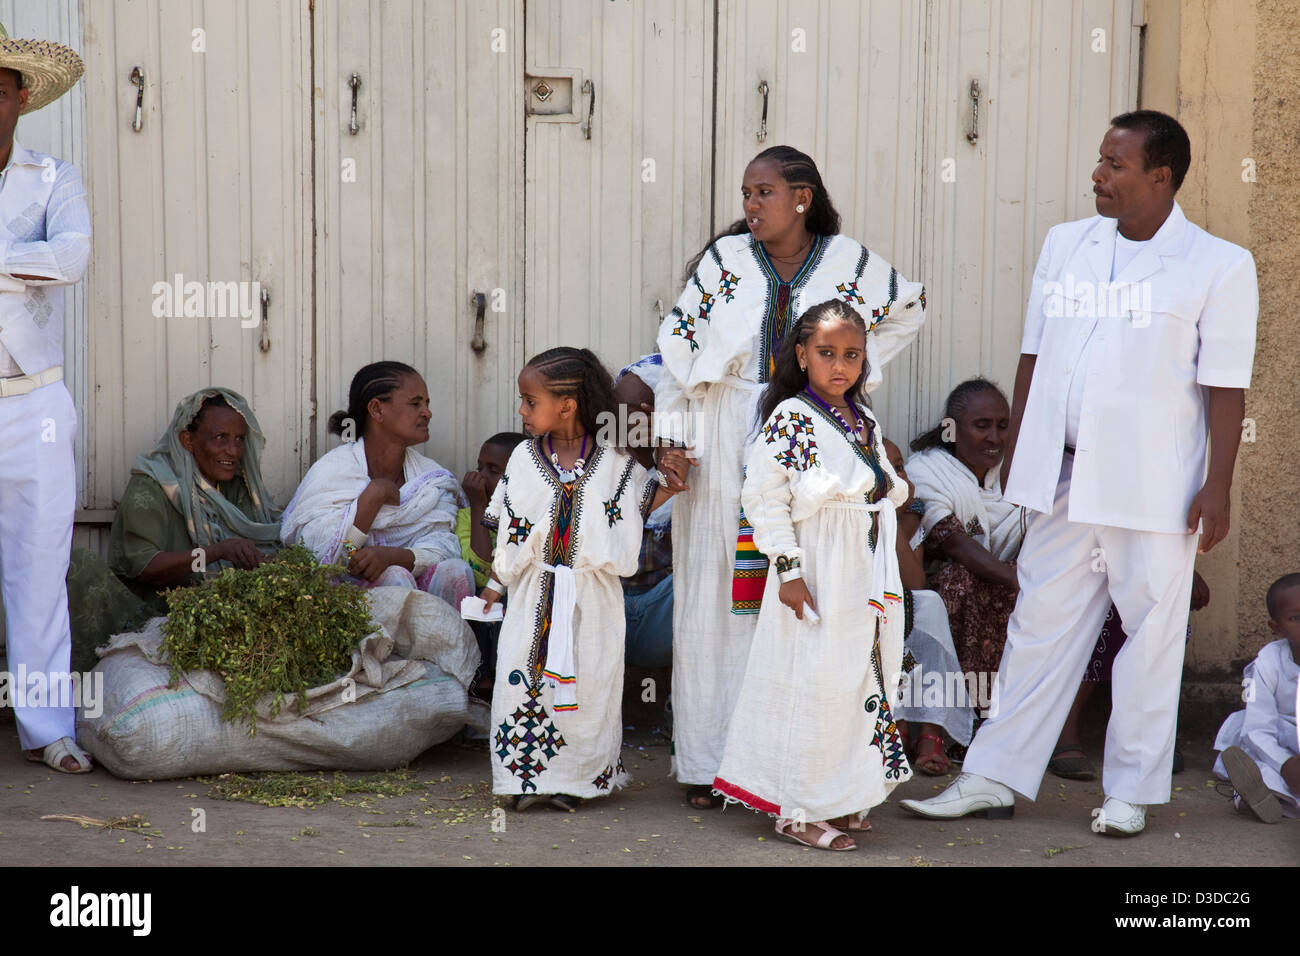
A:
[200,488]
[376,504]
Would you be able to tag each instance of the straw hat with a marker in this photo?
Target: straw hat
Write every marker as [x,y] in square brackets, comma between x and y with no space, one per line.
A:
[49,69]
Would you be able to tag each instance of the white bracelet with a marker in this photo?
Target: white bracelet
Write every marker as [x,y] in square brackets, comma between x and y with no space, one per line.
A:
[495,585]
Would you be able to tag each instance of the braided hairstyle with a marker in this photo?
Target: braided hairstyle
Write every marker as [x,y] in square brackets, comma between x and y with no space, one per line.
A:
[788,379]
[577,374]
[377,380]
[958,401]
[797,169]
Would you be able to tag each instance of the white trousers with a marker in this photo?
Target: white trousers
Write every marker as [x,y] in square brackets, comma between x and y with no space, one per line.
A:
[38,495]
[1069,573]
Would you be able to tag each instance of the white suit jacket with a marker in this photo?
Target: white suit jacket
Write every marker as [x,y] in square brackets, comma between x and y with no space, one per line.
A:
[45,231]
[1180,316]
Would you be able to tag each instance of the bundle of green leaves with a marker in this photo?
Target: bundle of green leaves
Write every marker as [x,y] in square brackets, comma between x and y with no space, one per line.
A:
[282,628]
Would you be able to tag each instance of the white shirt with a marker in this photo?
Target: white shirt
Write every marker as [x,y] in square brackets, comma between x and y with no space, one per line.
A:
[45,231]
[1125,251]
[1180,316]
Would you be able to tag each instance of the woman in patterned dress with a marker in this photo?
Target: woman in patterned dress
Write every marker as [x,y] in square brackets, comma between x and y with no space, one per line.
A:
[719,345]
[813,740]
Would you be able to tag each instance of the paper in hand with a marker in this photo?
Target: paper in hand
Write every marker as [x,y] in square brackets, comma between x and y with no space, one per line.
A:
[473,608]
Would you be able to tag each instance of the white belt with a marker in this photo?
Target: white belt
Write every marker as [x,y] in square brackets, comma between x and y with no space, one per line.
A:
[22,384]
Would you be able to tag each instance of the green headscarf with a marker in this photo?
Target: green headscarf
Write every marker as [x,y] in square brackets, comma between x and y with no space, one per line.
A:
[209,517]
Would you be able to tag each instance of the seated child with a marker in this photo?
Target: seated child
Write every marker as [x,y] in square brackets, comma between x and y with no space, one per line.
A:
[477,541]
[1259,751]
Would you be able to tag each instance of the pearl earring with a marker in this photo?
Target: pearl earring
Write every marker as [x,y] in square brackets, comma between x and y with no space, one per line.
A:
[799,208]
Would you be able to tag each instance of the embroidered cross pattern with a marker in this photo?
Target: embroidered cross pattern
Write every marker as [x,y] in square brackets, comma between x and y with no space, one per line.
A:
[527,739]
[613,512]
[685,328]
[795,430]
[727,285]
[880,313]
[518,528]
[604,778]
[849,292]
[886,738]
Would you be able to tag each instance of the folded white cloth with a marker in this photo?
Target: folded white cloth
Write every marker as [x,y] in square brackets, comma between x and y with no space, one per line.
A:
[560,671]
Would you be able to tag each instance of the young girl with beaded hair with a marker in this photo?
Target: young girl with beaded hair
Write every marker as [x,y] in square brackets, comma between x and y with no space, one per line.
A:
[813,740]
[568,515]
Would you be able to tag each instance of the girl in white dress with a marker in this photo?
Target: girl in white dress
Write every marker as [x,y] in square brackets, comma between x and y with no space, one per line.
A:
[719,345]
[813,740]
[569,514]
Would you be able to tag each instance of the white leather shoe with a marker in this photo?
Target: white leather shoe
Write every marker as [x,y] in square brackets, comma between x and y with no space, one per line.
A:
[968,795]
[1119,818]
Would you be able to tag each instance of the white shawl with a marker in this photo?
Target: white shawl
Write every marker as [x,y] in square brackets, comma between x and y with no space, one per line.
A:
[324,507]
[948,487]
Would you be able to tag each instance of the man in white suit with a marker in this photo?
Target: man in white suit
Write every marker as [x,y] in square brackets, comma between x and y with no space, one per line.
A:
[1139,339]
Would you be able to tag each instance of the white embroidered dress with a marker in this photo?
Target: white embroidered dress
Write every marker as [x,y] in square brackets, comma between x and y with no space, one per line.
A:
[813,736]
[593,525]
[718,344]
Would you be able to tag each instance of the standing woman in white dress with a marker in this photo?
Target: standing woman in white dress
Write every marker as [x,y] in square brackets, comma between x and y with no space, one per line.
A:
[813,739]
[719,346]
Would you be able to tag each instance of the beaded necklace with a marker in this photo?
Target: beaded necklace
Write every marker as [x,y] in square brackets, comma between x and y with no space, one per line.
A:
[579,466]
[853,431]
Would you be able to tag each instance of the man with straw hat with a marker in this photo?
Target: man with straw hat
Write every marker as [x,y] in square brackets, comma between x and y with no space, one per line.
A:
[44,244]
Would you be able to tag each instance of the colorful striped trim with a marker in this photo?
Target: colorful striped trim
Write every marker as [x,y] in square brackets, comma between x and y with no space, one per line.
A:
[749,579]
[737,794]
[880,608]
[149,699]
[564,707]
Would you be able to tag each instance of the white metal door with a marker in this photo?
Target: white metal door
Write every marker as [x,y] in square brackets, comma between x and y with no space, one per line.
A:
[418,207]
[213,187]
[1050,76]
[611,217]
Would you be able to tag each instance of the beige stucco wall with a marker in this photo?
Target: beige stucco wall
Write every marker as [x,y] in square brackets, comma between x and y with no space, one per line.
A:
[1229,70]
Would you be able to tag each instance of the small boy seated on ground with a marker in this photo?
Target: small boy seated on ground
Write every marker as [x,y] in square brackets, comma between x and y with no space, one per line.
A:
[1260,753]
[477,542]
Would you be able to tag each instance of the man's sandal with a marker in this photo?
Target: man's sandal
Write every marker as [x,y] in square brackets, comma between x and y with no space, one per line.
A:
[53,755]
[785,830]
[935,763]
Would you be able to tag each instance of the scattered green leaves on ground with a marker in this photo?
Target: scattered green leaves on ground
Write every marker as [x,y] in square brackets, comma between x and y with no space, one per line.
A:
[309,789]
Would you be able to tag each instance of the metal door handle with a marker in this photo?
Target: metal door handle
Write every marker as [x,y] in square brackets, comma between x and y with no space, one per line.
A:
[137,80]
[355,83]
[974,133]
[589,89]
[762,126]
[265,343]
[480,306]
